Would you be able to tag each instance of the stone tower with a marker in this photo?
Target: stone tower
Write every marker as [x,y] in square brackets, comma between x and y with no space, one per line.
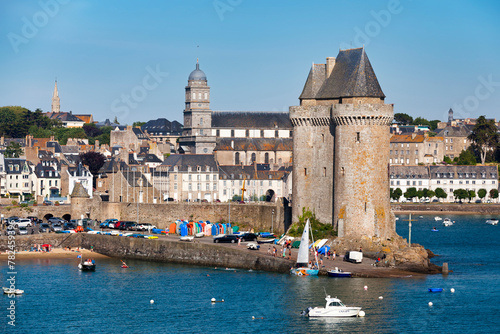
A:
[56,105]
[341,147]
[197,135]
[450,116]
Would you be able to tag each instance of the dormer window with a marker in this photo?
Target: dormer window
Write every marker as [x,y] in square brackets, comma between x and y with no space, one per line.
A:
[207,169]
[176,169]
[189,168]
[232,176]
[198,168]
[41,173]
[270,177]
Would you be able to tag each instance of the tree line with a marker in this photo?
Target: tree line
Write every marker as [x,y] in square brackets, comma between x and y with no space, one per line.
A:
[439,193]
[18,122]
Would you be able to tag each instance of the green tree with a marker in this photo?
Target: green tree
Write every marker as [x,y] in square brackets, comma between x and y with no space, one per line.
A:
[440,193]
[420,194]
[411,193]
[94,160]
[434,124]
[471,194]
[493,193]
[13,150]
[466,157]
[319,230]
[482,193]
[62,134]
[460,194]
[447,160]
[429,193]
[138,124]
[403,119]
[396,194]
[485,136]
[421,121]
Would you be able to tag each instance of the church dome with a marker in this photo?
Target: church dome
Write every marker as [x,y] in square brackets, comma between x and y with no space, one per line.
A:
[197,74]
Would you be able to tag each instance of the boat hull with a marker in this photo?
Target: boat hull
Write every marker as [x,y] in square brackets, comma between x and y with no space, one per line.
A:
[334,312]
[86,267]
[304,272]
[339,274]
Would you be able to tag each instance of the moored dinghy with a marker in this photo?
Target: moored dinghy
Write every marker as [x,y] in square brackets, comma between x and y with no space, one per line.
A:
[492,221]
[302,268]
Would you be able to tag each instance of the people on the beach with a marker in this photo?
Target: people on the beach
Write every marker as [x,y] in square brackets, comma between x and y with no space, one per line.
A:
[289,252]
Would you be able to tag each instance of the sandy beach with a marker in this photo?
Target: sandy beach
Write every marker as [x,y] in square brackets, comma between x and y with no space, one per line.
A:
[55,253]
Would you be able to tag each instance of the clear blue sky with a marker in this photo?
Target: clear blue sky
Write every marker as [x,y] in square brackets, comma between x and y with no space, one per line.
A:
[428,55]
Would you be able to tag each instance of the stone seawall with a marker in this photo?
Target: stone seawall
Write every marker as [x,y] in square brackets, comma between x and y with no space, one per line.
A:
[465,208]
[160,250]
[200,254]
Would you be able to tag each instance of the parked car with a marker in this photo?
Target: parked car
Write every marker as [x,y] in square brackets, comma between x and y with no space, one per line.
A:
[26,202]
[226,238]
[145,227]
[47,202]
[353,256]
[105,224]
[56,227]
[112,224]
[56,220]
[126,225]
[24,222]
[69,226]
[12,220]
[23,230]
[43,227]
[248,236]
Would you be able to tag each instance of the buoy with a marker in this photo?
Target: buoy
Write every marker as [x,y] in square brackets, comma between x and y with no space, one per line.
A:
[213,300]
[430,304]
[361,314]
[380,297]
[452,290]
[253,318]
[366,287]
[151,301]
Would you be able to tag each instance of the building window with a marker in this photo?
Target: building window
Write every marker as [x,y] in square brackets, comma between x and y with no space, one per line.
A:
[189,177]
[276,133]
[217,133]
[207,186]
[266,158]
[254,157]
[324,171]
[262,133]
[206,96]
[201,132]
[215,186]
[305,171]
[247,133]
[357,137]
[175,177]
[237,158]
[232,133]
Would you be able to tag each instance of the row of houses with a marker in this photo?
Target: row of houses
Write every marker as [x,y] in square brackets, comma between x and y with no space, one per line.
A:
[449,178]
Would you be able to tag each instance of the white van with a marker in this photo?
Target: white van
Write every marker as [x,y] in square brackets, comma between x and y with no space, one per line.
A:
[353,256]
[23,223]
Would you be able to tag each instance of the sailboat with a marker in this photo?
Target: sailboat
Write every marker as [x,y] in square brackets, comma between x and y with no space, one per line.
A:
[302,268]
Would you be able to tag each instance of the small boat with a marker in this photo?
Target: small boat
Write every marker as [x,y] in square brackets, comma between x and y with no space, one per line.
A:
[435,289]
[397,218]
[124,266]
[199,235]
[434,229]
[447,222]
[302,268]
[334,308]
[186,238]
[265,241]
[10,291]
[492,221]
[421,217]
[87,265]
[438,218]
[338,273]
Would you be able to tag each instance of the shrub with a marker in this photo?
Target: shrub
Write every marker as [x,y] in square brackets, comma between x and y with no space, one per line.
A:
[320,231]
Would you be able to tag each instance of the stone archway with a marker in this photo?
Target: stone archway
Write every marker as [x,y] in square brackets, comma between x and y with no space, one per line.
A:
[47,217]
[269,195]
[66,217]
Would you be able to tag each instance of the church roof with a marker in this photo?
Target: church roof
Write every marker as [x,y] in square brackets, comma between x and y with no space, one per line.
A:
[352,76]
[251,119]
[197,74]
[254,144]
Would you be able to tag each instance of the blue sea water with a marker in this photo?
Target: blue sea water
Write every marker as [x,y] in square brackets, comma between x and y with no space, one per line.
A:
[61,299]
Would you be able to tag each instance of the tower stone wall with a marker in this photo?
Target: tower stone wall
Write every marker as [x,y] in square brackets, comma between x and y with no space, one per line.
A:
[313,151]
[361,192]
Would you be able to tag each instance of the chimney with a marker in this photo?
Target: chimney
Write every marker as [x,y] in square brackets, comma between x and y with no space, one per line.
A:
[232,143]
[2,141]
[330,63]
[413,135]
[96,144]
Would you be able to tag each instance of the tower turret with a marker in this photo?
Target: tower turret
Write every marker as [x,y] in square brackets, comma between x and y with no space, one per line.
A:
[56,105]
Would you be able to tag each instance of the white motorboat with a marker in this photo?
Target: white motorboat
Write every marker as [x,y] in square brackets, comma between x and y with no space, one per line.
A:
[187,238]
[438,218]
[10,291]
[199,235]
[492,221]
[87,265]
[447,222]
[334,308]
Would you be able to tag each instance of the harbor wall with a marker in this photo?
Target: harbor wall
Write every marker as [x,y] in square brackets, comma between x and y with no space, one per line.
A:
[457,208]
[158,250]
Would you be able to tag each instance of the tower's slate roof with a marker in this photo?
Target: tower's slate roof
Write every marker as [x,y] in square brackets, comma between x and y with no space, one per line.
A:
[79,191]
[315,80]
[162,126]
[455,131]
[251,119]
[352,76]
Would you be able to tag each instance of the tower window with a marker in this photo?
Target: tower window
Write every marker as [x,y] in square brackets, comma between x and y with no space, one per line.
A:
[342,171]
[266,158]
[201,121]
[232,133]
[193,96]
[276,133]
[237,158]
[357,137]
[323,137]
[206,96]
[217,133]
[324,171]
[247,133]
[305,171]
[262,133]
